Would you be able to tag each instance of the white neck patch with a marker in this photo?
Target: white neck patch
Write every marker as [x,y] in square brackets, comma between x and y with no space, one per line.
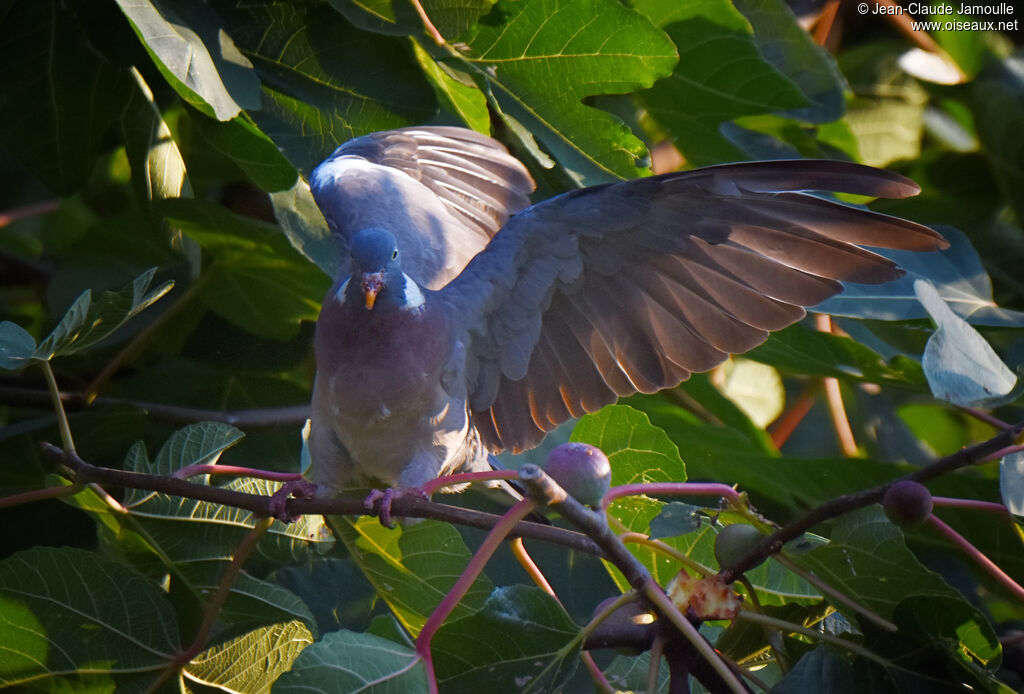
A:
[413,296]
[339,295]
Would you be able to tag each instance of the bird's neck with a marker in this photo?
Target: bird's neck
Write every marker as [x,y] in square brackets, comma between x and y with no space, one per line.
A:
[411,340]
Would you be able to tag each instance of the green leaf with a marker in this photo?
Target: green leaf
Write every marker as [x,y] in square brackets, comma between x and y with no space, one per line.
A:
[344,661]
[196,444]
[799,349]
[16,346]
[87,322]
[304,225]
[249,147]
[886,113]
[721,75]
[676,518]
[158,169]
[467,102]
[950,623]
[790,49]
[177,37]
[60,96]
[997,102]
[68,613]
[258,282]
[324,81]
[450,17]
[539,59]
[639,452]
[532,654]
[412,566]
[961,367]
[252,661]
[755,388]
[867,558]
[825,669]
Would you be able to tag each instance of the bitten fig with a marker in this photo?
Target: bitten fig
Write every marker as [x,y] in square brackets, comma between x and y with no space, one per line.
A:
[734,541]
[582,470]
[907,503]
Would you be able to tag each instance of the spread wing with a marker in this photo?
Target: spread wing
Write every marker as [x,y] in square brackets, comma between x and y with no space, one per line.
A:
[632,286]
[443,192]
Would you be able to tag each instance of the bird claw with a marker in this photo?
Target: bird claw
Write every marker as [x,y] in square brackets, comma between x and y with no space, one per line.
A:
[278,506]
[379,502]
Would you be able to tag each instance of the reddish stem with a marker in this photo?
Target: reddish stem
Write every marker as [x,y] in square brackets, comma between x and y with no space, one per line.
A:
[990,506]
[975,554]
[235,471]
[1002,453]
[39,495]
[466,478]
[985,417]
[476,565]
[785,425]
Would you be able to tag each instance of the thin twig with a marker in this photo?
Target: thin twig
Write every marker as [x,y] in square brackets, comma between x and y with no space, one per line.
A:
[834,399]
[291,415]
[58,407]
[851,502]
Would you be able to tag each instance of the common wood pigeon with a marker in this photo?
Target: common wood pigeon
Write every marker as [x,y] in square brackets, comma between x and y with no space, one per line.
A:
[466,322]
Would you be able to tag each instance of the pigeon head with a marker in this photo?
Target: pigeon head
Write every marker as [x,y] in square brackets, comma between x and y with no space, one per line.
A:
[377,278]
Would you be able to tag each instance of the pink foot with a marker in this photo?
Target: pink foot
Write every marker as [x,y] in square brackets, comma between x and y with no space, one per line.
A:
[300,489]
[379,502]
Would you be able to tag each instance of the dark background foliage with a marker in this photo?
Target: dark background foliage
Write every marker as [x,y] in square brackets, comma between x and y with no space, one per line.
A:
[175,136]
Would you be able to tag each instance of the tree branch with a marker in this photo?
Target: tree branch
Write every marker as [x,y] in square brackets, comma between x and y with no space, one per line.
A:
[406,506]
[851,502]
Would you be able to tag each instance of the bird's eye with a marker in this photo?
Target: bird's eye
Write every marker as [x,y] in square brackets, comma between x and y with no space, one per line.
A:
[394,254]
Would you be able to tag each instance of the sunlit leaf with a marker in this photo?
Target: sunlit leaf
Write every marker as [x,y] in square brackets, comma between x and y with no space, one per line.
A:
[344,661]
[639,453]
[546,56]
[755,388]
[68,613]
[250,662]
[1011,482]
[194,55]
[962,368]
[412,566]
